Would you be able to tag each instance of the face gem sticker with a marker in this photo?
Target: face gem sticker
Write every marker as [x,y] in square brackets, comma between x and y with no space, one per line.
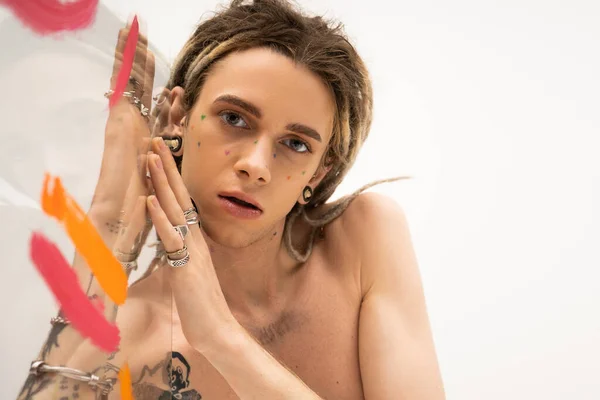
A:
[227,152]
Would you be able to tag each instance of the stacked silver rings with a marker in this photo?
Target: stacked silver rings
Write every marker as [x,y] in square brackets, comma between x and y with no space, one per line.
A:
[178,262]
[191,218]
[178,258]
[134,100]
[182,230]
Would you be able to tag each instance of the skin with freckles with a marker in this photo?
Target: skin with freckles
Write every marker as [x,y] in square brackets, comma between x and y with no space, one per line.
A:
[244,318]
[265,80]
[288,307]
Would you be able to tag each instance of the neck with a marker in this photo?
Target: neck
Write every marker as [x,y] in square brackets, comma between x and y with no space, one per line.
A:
[255,276]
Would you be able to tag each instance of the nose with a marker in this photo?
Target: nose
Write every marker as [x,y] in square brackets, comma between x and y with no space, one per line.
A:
[253,165]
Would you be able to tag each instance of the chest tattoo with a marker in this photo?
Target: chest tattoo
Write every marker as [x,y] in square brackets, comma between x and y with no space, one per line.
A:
[175,372]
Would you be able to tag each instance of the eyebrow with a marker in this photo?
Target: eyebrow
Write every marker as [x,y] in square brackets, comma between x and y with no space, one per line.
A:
[255,111]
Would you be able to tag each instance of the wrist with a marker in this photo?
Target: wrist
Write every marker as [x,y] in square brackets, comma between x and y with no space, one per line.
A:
[229,340]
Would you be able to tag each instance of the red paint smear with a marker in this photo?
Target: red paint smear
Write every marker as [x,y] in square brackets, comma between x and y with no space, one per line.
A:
[63,283]
[51,16]
[99,304]
[128,56]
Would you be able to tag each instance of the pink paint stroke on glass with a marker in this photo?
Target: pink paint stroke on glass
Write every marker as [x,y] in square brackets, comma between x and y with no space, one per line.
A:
[50,16]
[128,57]
[85,316]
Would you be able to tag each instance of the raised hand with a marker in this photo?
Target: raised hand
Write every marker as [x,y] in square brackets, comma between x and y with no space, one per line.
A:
[201,305]
[118,212]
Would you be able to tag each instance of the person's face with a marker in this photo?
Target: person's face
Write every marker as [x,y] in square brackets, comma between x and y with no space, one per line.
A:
[270,153]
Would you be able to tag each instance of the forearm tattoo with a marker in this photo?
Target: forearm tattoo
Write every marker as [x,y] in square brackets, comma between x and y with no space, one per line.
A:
[175,372]
[33,385]
[52,340]
[64,389]
[114,227]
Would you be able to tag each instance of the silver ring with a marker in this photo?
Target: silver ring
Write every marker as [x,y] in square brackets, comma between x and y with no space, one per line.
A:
[133,100]
[125,257]
[189,211]
[191,216]
[129,266]
[182,262]
[59,320]
[182,230]
[110,92]
[192,221]
[177,253]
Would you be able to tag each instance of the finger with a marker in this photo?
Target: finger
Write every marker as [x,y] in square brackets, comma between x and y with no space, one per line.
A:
[161,112]
[166,197]
[148,79]
[182,196]
[170,237]
[138,70]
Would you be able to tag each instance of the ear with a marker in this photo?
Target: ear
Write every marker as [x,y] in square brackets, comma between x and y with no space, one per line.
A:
[177,116]
[314,181]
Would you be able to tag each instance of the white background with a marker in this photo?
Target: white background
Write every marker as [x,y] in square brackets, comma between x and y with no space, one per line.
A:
[493,107]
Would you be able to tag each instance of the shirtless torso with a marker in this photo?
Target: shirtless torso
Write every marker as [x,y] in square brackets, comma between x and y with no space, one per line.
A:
[313,332]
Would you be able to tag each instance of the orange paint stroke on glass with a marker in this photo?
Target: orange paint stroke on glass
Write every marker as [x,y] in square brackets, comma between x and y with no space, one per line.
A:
[125,379]
[57,203]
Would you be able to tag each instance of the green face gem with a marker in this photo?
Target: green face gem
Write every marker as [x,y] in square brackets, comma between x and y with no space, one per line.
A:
[303,172]
[202,117]
[256,141]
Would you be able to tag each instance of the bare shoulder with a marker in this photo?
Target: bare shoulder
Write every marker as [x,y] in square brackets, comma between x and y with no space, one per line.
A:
[134,317]
[371,224]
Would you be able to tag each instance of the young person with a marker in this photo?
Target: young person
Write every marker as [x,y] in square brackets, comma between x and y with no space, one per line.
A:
[260,289]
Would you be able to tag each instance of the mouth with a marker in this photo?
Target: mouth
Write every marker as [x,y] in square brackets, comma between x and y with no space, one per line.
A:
[241,202]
